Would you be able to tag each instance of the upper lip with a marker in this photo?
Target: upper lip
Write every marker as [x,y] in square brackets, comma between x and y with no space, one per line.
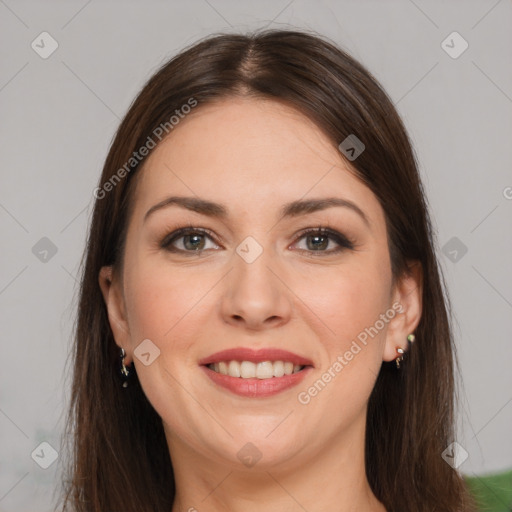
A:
[255,356]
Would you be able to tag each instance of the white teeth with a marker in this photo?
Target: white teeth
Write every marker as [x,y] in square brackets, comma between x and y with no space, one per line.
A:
[264,370]
[247,370]
[278,369]
[233,369]
[250,370]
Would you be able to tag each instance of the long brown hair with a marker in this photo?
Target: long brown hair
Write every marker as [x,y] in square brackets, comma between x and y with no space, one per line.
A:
[119,455]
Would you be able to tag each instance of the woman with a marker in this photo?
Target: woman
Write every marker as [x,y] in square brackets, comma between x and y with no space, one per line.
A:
[261,273]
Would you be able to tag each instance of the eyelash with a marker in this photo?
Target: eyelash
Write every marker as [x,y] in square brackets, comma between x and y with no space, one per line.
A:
[343,242]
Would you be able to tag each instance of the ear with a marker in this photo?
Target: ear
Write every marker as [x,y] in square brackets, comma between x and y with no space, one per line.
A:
[407,302]
[114,300]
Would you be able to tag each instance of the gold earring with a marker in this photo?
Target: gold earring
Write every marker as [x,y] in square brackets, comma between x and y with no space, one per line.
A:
[410,338]
[400,357]
[125,372]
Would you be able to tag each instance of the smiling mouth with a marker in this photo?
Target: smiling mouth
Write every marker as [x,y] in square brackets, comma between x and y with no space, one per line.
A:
[262,370]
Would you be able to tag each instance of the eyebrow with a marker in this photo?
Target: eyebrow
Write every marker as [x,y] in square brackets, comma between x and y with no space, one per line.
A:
[292,209]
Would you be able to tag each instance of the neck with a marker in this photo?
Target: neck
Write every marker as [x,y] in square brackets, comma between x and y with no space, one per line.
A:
[332,479]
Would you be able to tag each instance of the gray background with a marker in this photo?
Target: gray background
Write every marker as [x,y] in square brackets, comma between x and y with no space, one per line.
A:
[58,118]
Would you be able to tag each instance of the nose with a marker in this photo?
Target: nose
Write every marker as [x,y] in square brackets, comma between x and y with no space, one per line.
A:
[255,294]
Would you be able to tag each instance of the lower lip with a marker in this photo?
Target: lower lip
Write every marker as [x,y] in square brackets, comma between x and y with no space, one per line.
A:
[256,388]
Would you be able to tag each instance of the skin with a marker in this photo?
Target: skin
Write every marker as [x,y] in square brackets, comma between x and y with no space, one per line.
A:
[253,156]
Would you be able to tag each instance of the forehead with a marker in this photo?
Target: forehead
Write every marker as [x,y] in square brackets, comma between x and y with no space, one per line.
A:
[249,153]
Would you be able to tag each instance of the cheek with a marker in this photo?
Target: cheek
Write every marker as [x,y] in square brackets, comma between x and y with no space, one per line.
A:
[163,306]
[171,306]
[159,302]
[348,298]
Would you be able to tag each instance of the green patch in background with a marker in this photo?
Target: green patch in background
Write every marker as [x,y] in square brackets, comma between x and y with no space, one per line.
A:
[493,493]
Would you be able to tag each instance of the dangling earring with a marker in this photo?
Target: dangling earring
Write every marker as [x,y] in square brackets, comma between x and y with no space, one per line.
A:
[125,372]
[400,357]
[401,351]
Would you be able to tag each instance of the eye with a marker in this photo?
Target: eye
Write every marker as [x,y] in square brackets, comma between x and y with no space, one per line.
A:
[193,240]
[189,239]
[320,239]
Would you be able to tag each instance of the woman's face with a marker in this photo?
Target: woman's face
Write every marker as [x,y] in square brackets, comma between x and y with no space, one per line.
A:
[252,177]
